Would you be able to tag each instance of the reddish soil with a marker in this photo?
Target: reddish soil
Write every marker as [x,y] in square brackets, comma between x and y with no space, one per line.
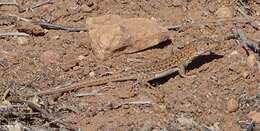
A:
[199,103]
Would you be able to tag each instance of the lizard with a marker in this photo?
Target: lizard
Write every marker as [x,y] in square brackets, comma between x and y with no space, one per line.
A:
[144,73]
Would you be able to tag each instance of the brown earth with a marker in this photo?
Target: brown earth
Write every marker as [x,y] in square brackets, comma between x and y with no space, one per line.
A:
[49,58]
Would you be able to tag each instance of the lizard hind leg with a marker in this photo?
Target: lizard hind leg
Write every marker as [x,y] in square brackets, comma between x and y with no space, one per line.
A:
[182,73]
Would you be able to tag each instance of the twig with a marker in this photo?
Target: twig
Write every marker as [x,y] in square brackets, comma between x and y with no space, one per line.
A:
[5,94]
[92,93]
[118,105]
[8,2]
[20,8]
[3,34]
[47,25]
[41,4]
[33,106]
[248,125]
[208,23]
[44,113]
[252,22]
[66,84]
[8,107]
[17,17]
[48,123]
[138,103]
[88,94]
[243,4]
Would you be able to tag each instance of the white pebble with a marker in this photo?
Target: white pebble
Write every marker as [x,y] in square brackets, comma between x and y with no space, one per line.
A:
[92,74]
[251,60]
[22,40]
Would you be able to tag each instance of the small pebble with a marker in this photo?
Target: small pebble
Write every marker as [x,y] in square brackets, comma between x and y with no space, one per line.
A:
[233,53]
[147,126]
[257,14]
[81,57]
[3,62]
[15,127]
[50,57]
[69,62]
[251,60]
[76,67]
[215,127]
[255,116]
[212,7]
[224,12]
[205,14]
[232,105]
[86,8]
[245,74]
[92,74]
[22,40]
[56,37]
[187,122]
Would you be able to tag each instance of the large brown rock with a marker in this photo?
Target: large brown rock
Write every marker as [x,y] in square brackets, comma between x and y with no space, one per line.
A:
[112,34]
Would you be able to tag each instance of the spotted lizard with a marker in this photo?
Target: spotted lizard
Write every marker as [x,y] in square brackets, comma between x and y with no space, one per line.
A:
[145,73]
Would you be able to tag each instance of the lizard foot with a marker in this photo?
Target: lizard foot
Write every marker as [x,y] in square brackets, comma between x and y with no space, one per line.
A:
[143,83]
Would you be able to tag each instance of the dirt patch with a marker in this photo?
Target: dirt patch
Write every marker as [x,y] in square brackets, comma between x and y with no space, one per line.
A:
[172,103]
